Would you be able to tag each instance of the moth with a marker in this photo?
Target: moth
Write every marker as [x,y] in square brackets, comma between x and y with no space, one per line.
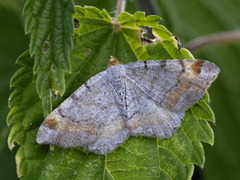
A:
[144,98]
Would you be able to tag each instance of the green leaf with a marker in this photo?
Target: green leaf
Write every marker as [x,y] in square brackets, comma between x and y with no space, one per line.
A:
[96,39]
[51,26]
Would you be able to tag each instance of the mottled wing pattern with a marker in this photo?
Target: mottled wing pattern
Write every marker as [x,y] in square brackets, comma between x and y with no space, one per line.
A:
[159,92]
[90,118]
[145,115]
[147,98]
[177,84]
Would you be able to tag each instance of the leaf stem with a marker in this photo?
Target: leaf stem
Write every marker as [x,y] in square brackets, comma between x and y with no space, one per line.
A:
[217,38]
[121,4]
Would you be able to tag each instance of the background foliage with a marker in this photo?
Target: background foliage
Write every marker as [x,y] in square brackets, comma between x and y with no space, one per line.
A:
[187,20]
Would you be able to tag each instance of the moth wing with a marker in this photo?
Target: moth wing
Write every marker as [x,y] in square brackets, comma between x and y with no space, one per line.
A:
[146,117]
[175,84]
[159,92]
[90,118]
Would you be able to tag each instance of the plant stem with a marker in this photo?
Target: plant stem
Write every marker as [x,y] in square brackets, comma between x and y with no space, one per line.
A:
[121,4]
[149,6]
[217,38]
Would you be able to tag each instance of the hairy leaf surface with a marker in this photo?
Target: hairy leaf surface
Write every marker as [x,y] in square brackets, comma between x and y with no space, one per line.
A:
[51,26]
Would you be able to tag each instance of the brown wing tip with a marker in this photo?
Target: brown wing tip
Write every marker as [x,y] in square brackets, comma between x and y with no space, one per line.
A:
[196,66]
[52,123]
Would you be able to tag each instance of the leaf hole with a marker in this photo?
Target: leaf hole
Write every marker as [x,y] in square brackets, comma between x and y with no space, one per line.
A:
[55,95]
[53,67]
[15,143]
[46,45]
[76,24]
[88,52]
[178,42]
[147,36]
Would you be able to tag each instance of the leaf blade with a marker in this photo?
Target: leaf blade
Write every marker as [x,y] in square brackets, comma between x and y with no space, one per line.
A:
[51,26]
